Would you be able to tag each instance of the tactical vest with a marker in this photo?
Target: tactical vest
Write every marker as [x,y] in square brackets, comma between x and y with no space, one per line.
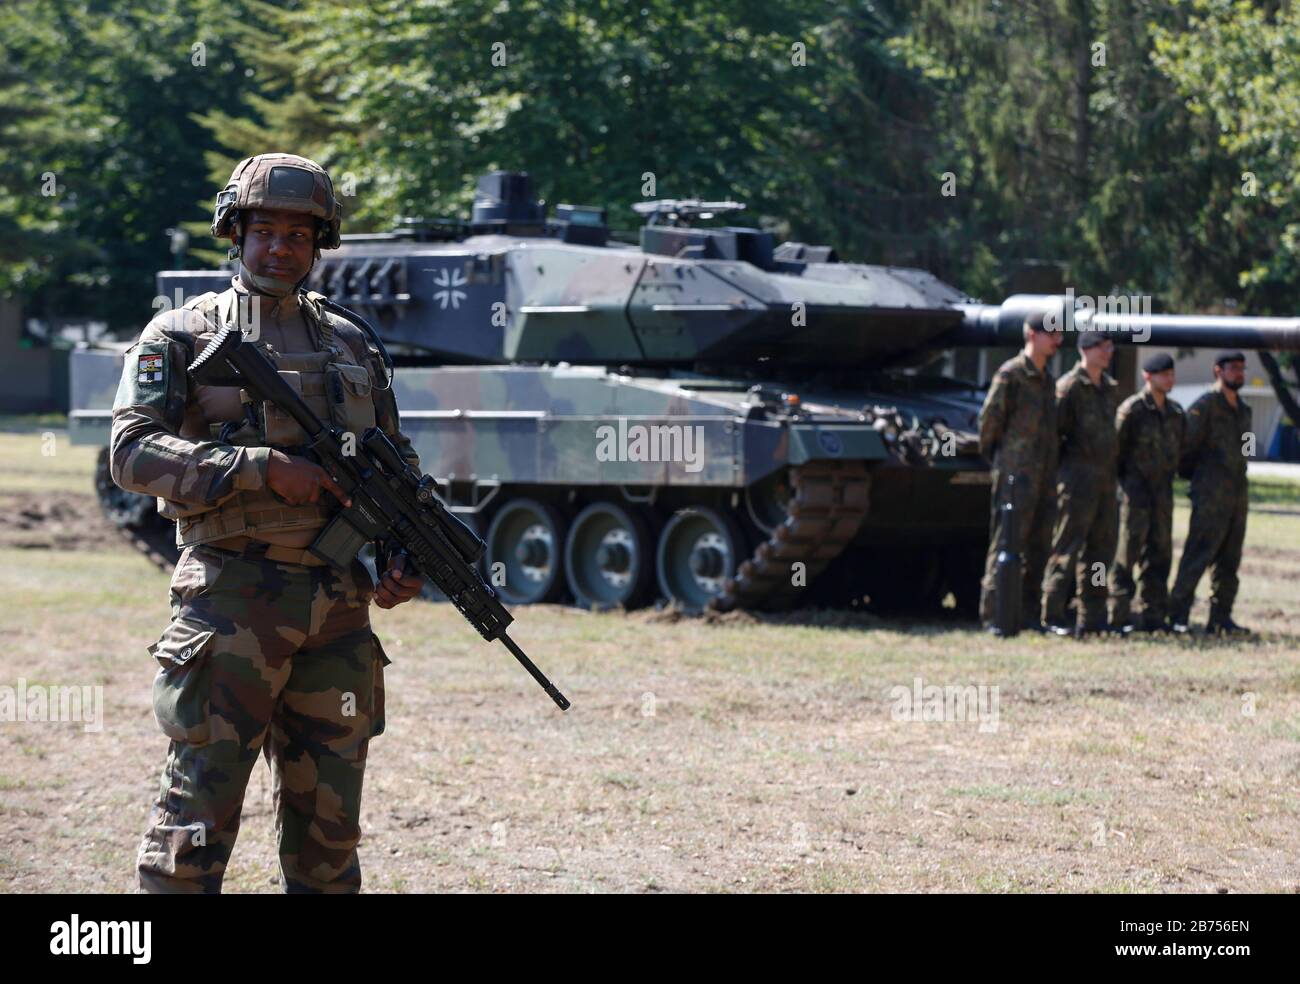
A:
[331,383]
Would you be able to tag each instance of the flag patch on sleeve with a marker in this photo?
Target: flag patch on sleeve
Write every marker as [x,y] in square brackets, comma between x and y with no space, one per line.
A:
[150,369]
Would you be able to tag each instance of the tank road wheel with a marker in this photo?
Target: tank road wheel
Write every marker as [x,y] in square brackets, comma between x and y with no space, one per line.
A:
[607,558]
[129,510]
[698,553]
[768,500]
[525,539]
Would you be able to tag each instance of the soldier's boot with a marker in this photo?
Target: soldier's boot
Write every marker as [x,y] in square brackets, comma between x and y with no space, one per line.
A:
[1180,614]
[1090,627]
[1056,620]
[1091,624]
[1221,623]
[1121,618]
[1152,620]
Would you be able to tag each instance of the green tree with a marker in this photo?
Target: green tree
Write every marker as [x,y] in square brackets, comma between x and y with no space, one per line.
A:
[1072,145]
[105,97]
[798,109]
[1237,66]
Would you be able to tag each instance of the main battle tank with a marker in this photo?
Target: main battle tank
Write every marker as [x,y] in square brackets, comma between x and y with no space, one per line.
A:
[704,416]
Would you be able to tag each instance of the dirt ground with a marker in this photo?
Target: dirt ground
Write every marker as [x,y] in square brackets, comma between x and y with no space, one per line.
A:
[731,754]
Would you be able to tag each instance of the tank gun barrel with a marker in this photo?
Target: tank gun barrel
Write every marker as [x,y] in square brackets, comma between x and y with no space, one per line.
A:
[1001,324]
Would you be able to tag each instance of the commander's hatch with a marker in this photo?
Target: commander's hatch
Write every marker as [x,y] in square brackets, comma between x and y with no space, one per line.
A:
[670,231]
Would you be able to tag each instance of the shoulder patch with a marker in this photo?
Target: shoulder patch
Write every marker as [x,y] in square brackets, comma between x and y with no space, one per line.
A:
[149,368]
[144,376]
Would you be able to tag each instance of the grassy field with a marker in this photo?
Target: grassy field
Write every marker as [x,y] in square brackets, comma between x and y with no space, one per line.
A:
[725,754]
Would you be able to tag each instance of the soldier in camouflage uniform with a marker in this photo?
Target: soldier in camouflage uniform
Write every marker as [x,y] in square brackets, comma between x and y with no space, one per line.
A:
[1018,435]
[1218,427]
[269,650]
[1151,428]
[1084,542]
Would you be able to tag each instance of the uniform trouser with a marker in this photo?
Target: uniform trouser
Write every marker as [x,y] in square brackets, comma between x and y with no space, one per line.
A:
[1083,547]
[1146,549]
[1035,504]
[270,658]
[1215,537]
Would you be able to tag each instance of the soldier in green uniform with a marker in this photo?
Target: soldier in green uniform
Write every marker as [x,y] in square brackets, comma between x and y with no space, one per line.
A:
[268,651]
[1218,432]
[1084,541]
[1151,428]
[1018,435]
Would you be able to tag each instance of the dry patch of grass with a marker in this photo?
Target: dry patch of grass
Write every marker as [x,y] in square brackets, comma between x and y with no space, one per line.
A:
[734,754]
[42,460]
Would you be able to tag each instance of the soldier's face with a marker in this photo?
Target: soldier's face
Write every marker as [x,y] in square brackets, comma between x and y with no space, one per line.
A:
[1046,342]
[1233,374]
[278,244]
[1099,356]
[1161,382]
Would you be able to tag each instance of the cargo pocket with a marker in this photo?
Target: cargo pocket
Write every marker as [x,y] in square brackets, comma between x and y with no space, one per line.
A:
[183,684]
[377,702]
[279,429]
[349,392]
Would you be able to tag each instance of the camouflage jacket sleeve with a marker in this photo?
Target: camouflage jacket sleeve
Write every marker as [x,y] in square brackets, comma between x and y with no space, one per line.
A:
[147,453]
[994,415]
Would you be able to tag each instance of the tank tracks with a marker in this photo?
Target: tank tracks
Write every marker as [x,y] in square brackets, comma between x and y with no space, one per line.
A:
[135,518]
[827,506]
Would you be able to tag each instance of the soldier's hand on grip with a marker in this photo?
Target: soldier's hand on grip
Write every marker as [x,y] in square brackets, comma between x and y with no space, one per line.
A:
[396,585]
[299,481]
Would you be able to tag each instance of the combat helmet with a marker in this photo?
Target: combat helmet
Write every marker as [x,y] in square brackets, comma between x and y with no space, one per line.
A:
[280,181]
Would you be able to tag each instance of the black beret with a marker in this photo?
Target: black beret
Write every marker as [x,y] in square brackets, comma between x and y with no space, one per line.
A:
[1034,321]
[1088,339]
[1230,356]
[1050,318]
[1158,362]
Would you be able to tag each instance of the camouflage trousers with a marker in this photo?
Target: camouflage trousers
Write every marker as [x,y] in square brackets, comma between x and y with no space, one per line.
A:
[1083,547]
[1215,536]
[1146,551]
[271,658]
[1035,505]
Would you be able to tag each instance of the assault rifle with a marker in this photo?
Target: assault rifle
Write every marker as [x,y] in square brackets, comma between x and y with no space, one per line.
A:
[389,498]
